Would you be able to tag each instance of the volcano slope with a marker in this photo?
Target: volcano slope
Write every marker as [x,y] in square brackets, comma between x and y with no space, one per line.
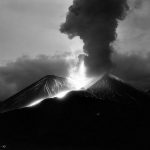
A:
[109,115]
[46,87]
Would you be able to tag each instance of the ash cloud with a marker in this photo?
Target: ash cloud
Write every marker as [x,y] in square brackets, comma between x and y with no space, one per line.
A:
[135,69]
[132,47]
[95,22]
[15,76]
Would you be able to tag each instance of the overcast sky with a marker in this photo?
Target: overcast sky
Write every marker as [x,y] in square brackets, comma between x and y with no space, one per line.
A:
[31,27]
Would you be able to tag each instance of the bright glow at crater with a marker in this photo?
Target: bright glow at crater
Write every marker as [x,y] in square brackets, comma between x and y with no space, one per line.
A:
[36,102]
[62,94]
[77,78]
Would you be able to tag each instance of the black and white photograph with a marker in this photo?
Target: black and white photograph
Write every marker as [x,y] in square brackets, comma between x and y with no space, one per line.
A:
[74,74]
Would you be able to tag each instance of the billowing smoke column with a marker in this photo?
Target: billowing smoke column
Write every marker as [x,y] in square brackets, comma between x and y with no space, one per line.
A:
[95,22]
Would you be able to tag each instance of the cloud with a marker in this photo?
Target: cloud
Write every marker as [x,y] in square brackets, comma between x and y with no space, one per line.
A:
[134,69]
[16,75]
[134,32]
[132,47]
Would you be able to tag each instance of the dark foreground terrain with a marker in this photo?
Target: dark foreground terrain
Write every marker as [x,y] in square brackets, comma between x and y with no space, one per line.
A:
[109,115]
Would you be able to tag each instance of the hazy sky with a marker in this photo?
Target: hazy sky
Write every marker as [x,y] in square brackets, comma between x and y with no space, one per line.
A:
[31,27]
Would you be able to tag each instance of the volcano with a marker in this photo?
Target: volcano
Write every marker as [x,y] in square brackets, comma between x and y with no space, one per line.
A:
[46,87]
[112,88]
[110,114]
[108,87]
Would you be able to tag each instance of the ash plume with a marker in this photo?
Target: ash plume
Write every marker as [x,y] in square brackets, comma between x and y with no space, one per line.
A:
[95,22]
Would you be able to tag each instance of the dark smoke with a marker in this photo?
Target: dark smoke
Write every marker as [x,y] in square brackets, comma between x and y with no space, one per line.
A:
[95,22]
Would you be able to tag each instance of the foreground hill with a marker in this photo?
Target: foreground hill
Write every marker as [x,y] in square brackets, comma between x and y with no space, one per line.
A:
[109,115]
